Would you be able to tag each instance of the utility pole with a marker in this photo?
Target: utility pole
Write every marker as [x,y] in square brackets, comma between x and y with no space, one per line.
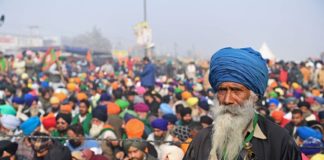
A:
[145,19]
[144,10]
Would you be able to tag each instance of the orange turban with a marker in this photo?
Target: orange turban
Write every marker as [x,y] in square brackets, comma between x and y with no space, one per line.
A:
[134,128]
[114,85]
[185,95]
[278,115]
[61,96]
[113,108]
[71,87]
[81,96]
[66,108]
[77,80]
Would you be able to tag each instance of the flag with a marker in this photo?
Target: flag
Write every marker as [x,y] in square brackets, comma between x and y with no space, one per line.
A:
[50,57]
[89,56]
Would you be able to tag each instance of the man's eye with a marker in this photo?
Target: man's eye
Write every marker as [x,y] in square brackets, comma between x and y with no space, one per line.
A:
[222,89]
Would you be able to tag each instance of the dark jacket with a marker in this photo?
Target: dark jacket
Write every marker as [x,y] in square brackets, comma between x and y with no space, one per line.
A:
[148,75]
[278,145]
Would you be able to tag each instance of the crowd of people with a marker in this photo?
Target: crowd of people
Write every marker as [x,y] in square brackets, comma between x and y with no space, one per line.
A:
[138,110]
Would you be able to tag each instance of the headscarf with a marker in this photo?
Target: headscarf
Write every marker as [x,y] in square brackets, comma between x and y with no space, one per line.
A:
[10,122]
[305,132]
[311,146]
[10,147]
[113,108]
[137,143]
[30,125]
[172,152]
[170,118]
[7,109]
[161,124]
[141,107]
[49,122]
[123,104]
[245,66]
[166,108]
[192,101]
[66,117]
[134,128]
[275,101]
[100,113]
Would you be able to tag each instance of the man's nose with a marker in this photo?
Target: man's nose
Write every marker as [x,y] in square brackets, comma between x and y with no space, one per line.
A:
[228,99]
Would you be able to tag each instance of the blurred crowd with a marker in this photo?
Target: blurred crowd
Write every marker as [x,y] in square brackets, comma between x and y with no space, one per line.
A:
[137,108]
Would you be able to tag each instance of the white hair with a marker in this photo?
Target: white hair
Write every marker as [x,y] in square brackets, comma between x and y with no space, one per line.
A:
[230,121]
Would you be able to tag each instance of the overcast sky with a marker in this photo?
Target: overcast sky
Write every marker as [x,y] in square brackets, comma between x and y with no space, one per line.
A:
[293,29]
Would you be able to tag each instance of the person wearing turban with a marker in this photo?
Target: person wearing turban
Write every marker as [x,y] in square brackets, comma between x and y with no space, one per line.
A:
[8,125]
[239,78]
[172,153]
[28,127]
[55,105]
[137,149]
[83,117]
[101,129]
[160,133]
[8,150]
[305,107]
[63,121]
[186,117]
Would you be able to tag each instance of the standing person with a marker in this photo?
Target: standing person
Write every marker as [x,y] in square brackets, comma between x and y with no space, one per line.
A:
[191,71]
[148,74]
[3,63]
[130,66]
[239,77]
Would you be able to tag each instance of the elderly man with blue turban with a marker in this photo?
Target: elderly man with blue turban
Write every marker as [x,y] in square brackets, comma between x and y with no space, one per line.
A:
[239,77]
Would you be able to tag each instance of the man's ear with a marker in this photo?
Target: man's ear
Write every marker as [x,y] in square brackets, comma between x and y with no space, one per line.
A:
[146,150]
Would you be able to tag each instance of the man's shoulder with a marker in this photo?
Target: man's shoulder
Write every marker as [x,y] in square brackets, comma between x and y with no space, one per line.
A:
[203,135]
[271,129]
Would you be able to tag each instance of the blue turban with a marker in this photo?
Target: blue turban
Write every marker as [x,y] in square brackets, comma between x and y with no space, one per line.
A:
[18,100]
[30,125]
[245,66]
[170,118]
[306,132]
[275,101]
[165,108]
[100,112]
[311,146]
[29,99]
[45,84]
[160,123]
[105,97]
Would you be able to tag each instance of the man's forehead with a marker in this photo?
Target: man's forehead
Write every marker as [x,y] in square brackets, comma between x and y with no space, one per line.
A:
[231,84]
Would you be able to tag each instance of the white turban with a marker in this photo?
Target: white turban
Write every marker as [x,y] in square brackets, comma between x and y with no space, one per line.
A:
[10,122]
[172,152]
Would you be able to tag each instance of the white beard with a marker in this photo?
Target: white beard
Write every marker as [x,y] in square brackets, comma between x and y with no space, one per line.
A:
[95,130]
[228,127]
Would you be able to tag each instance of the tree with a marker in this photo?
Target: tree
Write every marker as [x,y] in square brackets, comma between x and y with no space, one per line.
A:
[92,40]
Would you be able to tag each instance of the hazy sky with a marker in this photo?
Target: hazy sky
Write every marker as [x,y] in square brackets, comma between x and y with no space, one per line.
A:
[293,29]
